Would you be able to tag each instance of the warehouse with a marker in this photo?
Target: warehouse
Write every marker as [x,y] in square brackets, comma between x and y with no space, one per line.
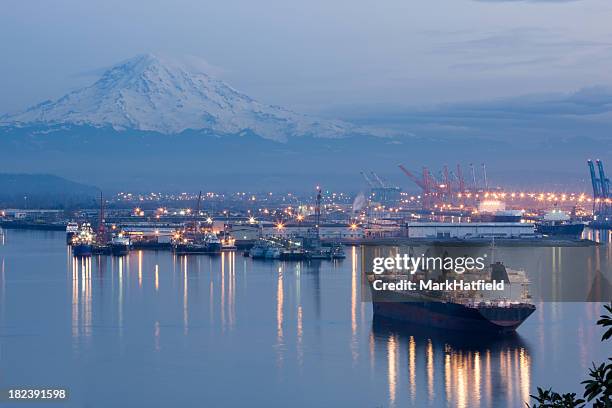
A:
[467,230]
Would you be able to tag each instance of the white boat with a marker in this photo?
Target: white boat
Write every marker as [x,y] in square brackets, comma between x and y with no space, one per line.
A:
[273,252]
[258,251]
[72,229]
[120,244]
[212,242]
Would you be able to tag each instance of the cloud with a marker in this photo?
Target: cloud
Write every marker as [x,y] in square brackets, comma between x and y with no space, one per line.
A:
[519,50]
[527,119]
[527,1]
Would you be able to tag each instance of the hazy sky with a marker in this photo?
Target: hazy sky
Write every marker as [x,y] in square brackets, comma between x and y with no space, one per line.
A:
[314,54]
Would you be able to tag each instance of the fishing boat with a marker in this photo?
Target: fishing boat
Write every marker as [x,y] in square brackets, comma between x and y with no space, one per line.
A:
[120,244]
[82,243]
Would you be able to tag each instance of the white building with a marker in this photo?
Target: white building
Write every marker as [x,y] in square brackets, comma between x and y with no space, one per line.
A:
[326,231]
[467,230]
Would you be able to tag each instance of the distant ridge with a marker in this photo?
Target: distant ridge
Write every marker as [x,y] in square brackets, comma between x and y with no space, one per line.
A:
[151,93]
[42,189]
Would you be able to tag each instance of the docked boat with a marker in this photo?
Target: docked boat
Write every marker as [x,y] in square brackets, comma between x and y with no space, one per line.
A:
[273,252]
[558,223]
[228,243]
[463,311]
[337,251]
[120,244]
[212,243]
[258,250]
[209,244]
[72,229]
[292,253]
[265,249]
[190,248]
[82,243]
[319,253]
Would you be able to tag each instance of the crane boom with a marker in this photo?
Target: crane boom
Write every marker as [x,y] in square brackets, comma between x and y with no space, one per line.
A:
[594,180]
[378,179]
[412,177]
[484,176]
[367,179]
[603,181]
[447,182]
[460,180]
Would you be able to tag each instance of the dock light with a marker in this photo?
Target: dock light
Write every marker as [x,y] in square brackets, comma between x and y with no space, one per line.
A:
[300,217]
[280,226]
[353,227]
[252,220]
[209,220]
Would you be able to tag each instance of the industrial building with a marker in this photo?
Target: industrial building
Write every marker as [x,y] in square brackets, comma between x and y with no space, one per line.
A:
[467,230]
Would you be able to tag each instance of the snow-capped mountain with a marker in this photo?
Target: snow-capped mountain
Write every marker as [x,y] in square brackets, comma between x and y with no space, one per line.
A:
[151,93]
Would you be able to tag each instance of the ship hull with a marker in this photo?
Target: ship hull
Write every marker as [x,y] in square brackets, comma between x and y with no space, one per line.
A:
[563,230]
[196,249]
[453,316]
[120,249]
[213,247]
[81,250]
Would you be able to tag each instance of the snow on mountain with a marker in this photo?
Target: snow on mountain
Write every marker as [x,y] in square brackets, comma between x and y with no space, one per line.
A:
[156,94]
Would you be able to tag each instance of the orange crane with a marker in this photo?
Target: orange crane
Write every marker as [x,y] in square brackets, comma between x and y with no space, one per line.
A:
[427,183]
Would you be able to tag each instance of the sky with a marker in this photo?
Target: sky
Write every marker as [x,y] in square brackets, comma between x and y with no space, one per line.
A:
[317,55]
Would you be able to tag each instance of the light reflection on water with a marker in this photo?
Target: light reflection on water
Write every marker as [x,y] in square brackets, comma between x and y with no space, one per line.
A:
[442,368]
[168,328]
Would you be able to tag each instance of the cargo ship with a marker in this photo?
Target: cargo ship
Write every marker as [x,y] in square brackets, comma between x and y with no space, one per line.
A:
[461,312]
[558,223]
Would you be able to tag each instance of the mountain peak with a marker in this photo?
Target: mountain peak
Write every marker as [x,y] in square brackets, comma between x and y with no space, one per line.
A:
[161,94]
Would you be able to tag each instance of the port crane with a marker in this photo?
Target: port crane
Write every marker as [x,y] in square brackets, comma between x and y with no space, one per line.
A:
[460,180]
[445,190]
[367,179]
[601,188]
[427,183]
[378,180]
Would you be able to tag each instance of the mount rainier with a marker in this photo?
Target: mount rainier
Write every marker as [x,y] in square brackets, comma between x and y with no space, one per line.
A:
[151,93]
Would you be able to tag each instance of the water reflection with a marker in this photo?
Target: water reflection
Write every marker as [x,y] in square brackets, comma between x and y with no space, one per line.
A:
[81,307]
[299,316]
[461,370]
[280,298]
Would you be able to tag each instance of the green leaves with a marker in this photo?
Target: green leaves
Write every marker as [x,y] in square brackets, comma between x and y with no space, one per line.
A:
[550,399]
[606,321]
[597,389]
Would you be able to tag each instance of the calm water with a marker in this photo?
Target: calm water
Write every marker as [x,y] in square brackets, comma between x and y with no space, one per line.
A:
[155,330]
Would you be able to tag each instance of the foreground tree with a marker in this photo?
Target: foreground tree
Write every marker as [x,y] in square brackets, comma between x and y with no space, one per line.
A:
[597,389]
